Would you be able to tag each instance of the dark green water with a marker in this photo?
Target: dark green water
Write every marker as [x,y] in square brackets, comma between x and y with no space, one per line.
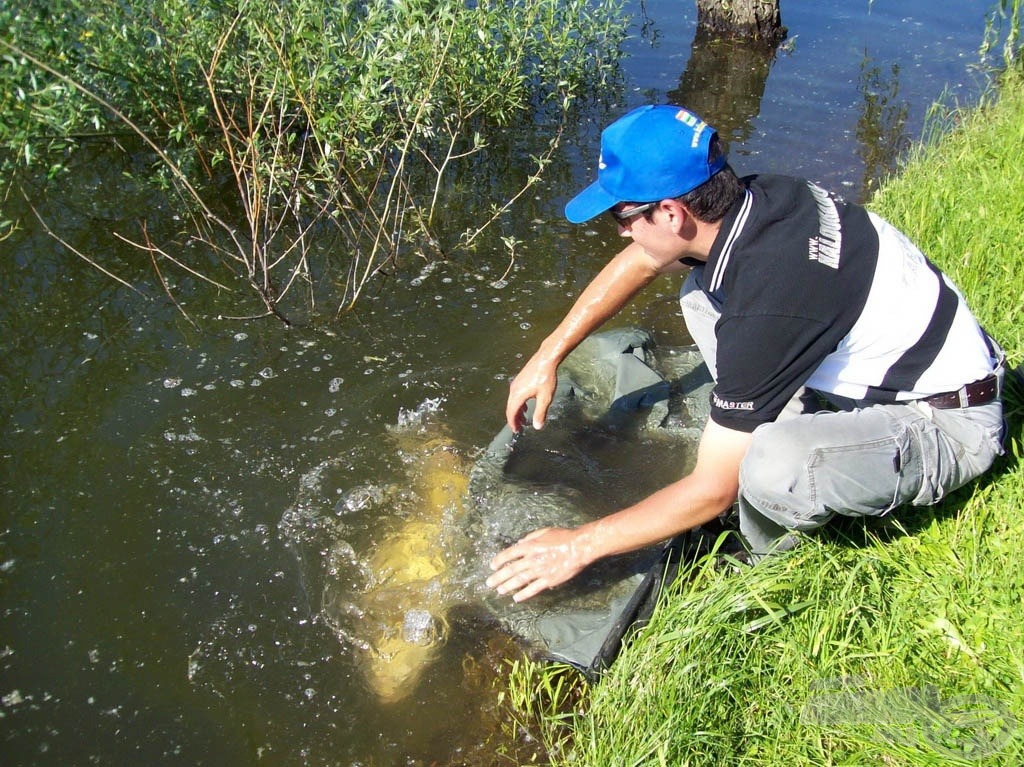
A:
[161,598]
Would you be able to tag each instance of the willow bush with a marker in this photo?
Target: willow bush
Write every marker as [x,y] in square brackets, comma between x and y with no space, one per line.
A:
[349,117]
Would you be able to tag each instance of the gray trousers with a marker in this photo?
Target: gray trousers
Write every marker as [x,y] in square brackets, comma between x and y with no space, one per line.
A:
[812,463]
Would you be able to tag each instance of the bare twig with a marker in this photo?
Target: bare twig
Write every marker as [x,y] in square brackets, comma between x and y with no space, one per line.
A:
[510,243]
[163,282]
[82,255]
[152,249]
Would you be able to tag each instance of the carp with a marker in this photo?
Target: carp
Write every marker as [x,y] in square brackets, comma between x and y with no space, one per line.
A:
[406,599]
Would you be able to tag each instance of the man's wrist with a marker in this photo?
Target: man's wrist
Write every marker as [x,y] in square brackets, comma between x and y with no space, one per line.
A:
[585,546]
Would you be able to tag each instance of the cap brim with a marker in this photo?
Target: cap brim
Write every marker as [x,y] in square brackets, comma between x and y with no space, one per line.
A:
[592,201]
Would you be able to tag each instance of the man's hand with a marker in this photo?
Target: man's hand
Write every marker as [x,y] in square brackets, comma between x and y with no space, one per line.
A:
[537,380]
[549,557]
[542,560]
[620,279]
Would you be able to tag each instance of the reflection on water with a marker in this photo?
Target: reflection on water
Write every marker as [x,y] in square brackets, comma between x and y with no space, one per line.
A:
[881,129]
[157,608]
[724,82]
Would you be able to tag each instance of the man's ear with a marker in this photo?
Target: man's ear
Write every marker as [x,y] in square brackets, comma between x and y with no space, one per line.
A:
[680,216]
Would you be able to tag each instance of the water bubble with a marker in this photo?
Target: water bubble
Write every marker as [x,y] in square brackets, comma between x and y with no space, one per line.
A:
[330,412]
[335,385]
[187,392]
[237,383]
[525,325]
[189,436]
[267,372]
[256,382]
[358,499]
[171,383]
[241,336]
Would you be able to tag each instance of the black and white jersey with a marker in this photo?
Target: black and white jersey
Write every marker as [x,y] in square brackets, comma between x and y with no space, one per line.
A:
[820,292]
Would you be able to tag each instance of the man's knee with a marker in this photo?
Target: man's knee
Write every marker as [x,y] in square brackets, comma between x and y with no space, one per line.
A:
[776,481]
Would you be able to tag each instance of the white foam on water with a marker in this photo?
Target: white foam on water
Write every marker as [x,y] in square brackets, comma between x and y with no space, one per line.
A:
[419,415]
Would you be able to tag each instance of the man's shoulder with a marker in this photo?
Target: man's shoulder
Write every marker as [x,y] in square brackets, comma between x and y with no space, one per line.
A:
[775,182]
[777,186]
[780,208]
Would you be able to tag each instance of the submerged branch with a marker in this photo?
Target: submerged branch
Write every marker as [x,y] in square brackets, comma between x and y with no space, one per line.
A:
[152,249]
[163,282]
[82,255]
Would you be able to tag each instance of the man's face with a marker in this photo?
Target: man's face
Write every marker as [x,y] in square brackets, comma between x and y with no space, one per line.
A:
[654,226]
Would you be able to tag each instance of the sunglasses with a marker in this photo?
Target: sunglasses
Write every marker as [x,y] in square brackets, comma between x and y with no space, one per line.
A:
[624,215]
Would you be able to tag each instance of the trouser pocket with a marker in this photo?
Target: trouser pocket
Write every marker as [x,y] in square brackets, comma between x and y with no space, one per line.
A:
[956,446]
[801,471]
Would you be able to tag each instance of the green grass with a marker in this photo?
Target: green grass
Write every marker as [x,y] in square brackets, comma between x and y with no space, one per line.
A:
[857,647]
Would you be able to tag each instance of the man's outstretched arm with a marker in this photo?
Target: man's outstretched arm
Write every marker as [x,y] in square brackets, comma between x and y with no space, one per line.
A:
[611,289]
[549,557]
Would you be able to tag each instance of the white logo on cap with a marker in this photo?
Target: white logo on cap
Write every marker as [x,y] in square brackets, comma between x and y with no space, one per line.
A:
[695,123]
[600,162]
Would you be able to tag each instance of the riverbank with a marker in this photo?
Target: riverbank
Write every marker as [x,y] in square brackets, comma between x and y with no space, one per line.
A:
[899,642]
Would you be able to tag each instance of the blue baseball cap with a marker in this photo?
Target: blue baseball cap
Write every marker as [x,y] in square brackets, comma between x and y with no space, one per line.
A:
[653,153]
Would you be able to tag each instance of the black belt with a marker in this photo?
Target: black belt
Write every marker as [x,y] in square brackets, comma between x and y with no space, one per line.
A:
[978,393]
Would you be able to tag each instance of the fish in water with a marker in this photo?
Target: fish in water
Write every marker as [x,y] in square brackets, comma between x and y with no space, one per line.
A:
[611,425]
[406,599]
